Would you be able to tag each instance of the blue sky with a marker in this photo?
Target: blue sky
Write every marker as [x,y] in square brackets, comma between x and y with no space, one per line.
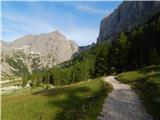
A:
[78,21]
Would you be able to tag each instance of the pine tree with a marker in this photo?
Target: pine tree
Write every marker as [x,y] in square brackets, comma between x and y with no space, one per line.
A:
[154,57]
[101,63]
[122,51]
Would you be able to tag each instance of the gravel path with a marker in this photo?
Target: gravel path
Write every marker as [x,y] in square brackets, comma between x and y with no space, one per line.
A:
[122,103]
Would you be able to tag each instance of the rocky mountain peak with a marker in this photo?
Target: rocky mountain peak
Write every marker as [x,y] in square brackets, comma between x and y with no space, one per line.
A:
[37,52]
[56,32]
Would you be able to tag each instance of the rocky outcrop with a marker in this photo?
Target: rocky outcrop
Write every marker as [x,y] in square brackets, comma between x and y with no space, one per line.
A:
[127,16]
[35,52]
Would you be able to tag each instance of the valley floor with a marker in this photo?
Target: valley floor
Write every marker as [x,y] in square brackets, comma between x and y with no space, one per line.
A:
[122,103]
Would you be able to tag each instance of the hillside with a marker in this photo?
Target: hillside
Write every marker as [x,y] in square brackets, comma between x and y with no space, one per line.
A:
[36,52]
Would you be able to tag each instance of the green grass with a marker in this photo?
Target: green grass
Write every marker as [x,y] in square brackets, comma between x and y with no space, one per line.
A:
[146,81]
[149,91]
[80,101]
[132,76]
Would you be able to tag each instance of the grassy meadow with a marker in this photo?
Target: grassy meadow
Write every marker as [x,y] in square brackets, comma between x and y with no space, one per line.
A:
[78,101]
[146,82]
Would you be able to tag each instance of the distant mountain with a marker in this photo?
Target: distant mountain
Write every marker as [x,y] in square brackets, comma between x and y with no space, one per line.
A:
[35,52]
[126,17]
[83,48]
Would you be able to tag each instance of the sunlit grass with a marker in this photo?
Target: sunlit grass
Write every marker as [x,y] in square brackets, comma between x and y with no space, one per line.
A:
[74,102]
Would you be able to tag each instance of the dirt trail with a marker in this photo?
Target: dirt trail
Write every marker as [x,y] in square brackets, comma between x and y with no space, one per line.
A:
[122,103]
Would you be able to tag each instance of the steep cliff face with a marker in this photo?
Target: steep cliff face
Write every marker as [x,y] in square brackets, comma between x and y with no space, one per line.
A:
[35,52]
[127,16]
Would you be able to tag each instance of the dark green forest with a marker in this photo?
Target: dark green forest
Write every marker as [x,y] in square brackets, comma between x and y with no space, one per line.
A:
[129,51]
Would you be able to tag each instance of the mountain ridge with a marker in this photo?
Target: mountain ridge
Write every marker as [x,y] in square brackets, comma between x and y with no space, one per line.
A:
[36,52]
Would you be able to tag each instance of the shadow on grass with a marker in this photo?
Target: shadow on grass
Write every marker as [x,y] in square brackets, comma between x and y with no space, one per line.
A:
[78,102]
[73,102]
[149,92]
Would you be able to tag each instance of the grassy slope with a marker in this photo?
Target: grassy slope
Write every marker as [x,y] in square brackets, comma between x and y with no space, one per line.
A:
[147,83]
[73,102]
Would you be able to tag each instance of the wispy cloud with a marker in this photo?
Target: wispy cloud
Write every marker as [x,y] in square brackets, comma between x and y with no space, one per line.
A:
[5,30]
[90,9]
[26,22]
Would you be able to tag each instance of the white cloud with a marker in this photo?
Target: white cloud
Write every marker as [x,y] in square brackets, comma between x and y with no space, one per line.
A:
[5,30]
[90,9]
[27,23]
